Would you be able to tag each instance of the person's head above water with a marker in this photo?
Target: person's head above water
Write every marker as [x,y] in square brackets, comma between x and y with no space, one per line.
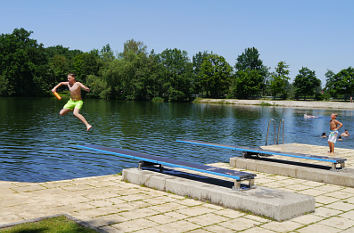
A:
[71,78]
[334,116]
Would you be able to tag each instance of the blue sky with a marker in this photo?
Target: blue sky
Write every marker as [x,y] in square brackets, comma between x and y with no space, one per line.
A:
[318,34]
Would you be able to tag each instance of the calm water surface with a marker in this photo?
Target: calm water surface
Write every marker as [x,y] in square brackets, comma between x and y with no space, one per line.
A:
[36,144]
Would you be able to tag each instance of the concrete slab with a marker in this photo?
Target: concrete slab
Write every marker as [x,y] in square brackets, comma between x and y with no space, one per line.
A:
[343,177]
[276,204]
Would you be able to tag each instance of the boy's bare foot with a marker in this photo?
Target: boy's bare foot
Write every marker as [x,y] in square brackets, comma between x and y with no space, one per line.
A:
[89,127]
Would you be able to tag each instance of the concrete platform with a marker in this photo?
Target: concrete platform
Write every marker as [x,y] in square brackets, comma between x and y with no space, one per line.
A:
[276,204]
[320,173]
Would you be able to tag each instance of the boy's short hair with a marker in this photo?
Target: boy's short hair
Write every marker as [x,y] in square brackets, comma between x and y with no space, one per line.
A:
[72,75]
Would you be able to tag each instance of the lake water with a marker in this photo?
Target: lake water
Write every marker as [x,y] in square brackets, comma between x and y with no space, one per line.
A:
[36,144]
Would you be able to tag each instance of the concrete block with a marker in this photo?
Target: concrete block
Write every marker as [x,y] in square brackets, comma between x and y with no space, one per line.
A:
[276,204]
[344,177]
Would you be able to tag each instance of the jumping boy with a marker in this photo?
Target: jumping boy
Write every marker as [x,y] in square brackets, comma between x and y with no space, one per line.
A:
[75,103]
[334,125]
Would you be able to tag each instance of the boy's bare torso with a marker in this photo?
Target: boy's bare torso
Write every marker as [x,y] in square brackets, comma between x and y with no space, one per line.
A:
[75,91]
[333,124]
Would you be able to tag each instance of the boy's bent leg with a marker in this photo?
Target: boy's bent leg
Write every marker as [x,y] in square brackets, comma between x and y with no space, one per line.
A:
[82,118]
[64,111]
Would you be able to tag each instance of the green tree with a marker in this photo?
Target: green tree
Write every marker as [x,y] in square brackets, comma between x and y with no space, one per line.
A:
[215,76]
[279,82]
[23,64]
[98,87]
[177,75]
[247,84]
[249,80]
[198,59]
[341,83]
[59,68]
[125,76]
[306,84]
[85,64]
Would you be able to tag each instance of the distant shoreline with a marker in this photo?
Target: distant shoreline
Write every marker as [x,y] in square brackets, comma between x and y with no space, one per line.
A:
[280,103]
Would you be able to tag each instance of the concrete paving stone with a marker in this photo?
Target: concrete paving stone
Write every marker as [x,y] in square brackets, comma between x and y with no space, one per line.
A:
[326,200]
[139,204]
[217,229]
[52,191]
[160,200]
[338,222]
[212,206]
[307,219]
[110,229]
[189,202]
[148,230]
[312,192]
[298,187]
[116,200]
[176,216]
[199,231]
[74,200]
[257,218]
[10,218]
[329,188]
[349,214]
[274,184]
[154,193]
[123,207]
[257,230]
[318,228]
[288,182]
[195,211]
[74,208]
[326,212]
[179,226]
[318,205]
[348,190]
[138,213]
[28,188]
[229,213]
[341,206]
[95,212]
[37,214]
[350,200]
[285,226]
[207,219]
[167,207]
[101,203]
[97,194]
[349,230]
[134,225]
[339,195]
[313,183]
[106,220]
[134,197]
[239,224]
[163,219]
[265,181]
[78,187]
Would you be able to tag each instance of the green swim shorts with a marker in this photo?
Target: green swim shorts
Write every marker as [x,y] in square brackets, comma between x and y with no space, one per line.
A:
[71,104]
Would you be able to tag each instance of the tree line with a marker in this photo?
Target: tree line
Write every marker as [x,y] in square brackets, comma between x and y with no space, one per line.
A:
[27,68]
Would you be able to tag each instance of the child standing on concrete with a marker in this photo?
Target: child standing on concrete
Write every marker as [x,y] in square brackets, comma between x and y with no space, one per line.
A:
[334,125]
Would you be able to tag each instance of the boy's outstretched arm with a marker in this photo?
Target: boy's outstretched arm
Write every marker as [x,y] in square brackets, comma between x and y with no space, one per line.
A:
[59,84]
[84,87]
